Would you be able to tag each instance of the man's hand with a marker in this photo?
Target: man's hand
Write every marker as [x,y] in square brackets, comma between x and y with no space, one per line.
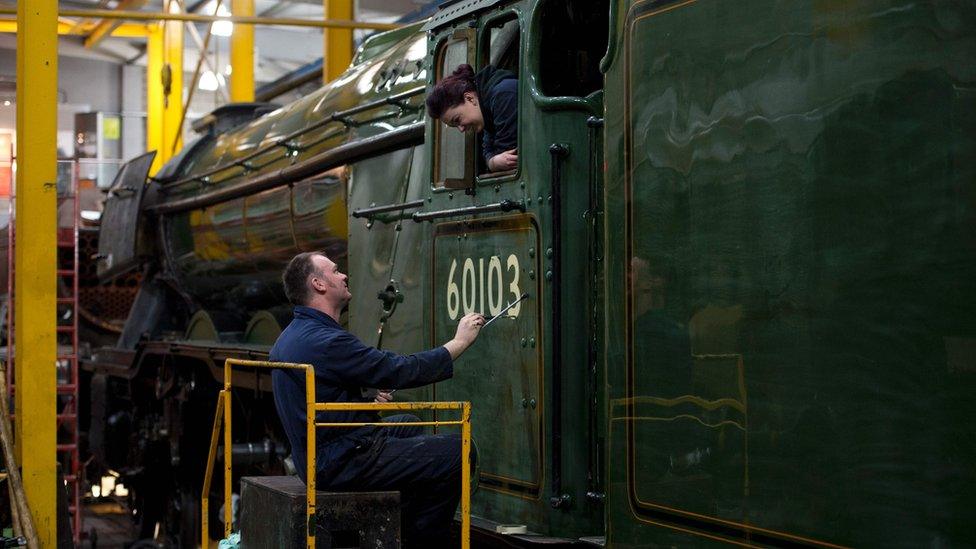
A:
[504,161]
[382,397]
[467,331]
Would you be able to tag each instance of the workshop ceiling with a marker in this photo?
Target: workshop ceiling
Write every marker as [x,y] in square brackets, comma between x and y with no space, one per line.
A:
[279,50]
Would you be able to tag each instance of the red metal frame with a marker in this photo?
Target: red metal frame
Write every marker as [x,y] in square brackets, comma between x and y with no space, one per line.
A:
[68,452]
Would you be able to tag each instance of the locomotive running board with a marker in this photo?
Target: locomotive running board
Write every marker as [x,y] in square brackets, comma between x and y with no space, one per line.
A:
[486,531]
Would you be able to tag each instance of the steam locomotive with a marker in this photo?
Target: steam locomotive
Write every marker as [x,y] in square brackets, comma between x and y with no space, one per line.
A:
[746,231]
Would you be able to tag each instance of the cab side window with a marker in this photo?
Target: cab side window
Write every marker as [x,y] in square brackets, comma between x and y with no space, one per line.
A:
[454,163]
[500,58]
[573,39]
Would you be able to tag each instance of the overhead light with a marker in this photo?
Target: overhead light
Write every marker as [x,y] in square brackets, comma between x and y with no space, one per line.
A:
[6,102]
[208,81]
[222,28]
[228,69]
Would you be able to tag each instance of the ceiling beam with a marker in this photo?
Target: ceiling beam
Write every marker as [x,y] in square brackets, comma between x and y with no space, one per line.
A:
[197,18]
[105,27]
[69,27]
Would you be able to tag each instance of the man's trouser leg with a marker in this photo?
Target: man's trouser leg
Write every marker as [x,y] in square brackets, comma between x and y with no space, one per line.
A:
[425,469]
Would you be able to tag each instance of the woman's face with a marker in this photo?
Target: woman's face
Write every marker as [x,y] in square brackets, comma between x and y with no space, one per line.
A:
[465,116]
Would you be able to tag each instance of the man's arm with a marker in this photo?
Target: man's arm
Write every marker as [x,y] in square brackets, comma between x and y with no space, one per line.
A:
[352,362]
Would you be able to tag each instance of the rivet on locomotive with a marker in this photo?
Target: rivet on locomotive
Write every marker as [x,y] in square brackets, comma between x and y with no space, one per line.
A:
[746,230]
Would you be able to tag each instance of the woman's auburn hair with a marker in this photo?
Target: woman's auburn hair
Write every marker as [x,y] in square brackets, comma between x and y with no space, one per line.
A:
[449,92]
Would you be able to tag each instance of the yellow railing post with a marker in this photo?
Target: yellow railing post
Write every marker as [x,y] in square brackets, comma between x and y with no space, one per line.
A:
[465,475]
[311,409]
[310,457]
[228,485]
[208,474]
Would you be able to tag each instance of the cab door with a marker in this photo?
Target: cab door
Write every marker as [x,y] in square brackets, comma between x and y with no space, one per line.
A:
[483,267]
[483,254]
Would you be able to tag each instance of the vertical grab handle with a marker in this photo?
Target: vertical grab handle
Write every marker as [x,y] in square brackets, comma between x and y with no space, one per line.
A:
[557,152]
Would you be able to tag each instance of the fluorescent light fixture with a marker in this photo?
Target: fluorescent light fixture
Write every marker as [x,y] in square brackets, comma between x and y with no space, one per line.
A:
[96,491]
[208,81]
[222,28]
[121,490]
[91,215]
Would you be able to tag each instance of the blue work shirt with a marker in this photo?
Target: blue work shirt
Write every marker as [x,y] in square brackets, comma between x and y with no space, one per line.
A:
[343,366]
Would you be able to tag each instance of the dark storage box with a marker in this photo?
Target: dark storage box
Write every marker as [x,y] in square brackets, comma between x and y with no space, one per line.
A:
[273,516]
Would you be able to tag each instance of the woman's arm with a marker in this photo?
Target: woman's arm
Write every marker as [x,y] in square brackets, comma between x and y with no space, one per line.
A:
[503,152]
[503,161]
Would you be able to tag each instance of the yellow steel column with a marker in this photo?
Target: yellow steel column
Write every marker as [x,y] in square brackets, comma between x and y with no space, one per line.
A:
[242,54]
[154,95]
[35,260]
[173,75]
[337,52]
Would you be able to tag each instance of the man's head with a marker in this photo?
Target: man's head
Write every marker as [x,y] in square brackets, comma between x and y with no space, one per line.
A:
[312,279]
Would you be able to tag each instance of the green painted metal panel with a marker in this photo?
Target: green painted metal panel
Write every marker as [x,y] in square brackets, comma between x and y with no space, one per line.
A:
[482,268]
[375,182]
[789,298]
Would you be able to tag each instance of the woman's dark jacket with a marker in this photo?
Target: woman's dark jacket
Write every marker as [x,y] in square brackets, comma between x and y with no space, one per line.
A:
[498,97]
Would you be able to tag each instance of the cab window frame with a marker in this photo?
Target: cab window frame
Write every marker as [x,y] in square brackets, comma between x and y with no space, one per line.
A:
[439,183]
[498,20]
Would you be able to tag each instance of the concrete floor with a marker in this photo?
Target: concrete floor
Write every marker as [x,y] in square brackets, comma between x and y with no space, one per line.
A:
[108,526]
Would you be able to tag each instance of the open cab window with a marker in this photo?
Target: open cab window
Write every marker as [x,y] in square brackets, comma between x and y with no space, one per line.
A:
[500,41]
[460,158]
[454,152]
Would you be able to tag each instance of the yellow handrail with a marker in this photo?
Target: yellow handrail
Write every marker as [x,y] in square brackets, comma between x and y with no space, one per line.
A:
[223,415]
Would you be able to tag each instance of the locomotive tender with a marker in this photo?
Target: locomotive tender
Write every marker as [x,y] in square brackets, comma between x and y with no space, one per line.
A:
[746,230]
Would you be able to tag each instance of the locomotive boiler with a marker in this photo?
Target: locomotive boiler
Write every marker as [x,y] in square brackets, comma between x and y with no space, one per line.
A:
[745,231]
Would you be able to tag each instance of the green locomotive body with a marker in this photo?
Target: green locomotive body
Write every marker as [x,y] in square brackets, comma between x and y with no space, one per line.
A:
[789,301]
[745,230]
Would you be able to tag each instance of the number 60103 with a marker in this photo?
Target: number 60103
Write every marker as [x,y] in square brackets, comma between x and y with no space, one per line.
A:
[484,285]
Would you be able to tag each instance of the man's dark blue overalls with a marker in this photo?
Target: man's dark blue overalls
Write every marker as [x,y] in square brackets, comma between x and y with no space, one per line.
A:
[425,469]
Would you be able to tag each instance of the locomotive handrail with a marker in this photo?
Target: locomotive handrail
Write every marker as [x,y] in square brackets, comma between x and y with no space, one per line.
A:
[370,212]
[287,140]
[223,416]
[503,206]
[343,154]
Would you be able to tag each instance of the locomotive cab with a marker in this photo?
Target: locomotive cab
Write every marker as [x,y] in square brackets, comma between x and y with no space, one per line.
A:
[495,236]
